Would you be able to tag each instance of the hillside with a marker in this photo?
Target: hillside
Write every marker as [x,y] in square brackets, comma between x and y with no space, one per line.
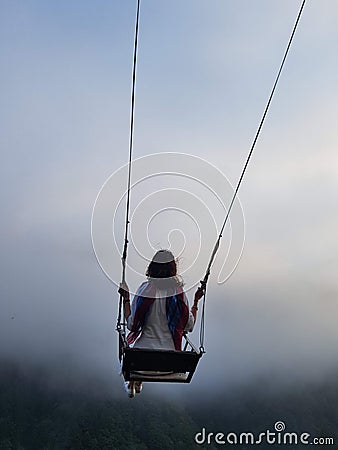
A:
[35,416]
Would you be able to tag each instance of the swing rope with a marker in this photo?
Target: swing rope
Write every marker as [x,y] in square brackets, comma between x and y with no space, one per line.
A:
[131,141]
[216,247]
[217,244]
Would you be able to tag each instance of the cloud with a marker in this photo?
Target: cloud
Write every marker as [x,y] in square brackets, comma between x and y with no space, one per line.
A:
[66,130]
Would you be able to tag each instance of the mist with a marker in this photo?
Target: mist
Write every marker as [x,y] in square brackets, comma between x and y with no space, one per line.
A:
[64,130]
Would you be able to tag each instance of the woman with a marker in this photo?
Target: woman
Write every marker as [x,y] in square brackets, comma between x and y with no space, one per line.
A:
[159,314]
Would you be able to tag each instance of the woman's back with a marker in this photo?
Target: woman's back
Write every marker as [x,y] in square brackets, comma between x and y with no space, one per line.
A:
[155,333]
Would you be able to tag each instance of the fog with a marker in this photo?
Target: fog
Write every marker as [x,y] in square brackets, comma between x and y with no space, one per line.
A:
[65,116]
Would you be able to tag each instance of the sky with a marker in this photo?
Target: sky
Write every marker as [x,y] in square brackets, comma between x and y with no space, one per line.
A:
[204,74]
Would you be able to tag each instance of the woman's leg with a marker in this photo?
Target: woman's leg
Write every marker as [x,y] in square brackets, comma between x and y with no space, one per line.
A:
[138,387]
[129,387]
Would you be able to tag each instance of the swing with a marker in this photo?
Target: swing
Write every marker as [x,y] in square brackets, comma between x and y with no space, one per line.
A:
[173,365]
[159,365]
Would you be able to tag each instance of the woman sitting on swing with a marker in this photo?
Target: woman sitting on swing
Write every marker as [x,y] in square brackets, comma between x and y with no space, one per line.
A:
[159,314]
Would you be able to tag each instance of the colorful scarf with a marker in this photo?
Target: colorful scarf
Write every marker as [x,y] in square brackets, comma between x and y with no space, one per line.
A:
[177,313]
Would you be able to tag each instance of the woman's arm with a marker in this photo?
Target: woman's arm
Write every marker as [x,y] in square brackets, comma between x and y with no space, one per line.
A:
[124,291]
[198,295]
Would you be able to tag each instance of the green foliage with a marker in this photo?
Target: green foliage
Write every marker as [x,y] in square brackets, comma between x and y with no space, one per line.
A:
[35,417]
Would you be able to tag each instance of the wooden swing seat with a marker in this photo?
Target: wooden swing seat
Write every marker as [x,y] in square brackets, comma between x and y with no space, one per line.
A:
[171,366]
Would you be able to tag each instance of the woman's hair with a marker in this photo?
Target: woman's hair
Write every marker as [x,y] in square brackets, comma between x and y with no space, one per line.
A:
[163,266]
